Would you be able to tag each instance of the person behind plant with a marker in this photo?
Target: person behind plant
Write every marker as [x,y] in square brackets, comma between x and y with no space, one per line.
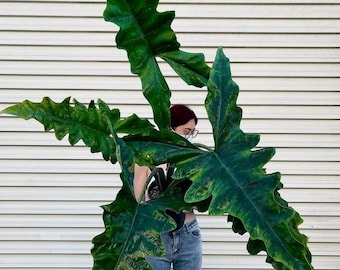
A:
[183,245]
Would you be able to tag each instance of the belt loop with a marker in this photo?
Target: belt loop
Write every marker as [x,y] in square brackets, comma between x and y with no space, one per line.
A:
[187,229]
[189,225]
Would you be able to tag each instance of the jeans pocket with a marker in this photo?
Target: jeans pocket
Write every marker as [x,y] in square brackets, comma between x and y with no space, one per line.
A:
[195,232]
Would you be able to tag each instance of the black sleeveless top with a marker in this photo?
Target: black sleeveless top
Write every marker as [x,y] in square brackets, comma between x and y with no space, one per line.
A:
[159,183]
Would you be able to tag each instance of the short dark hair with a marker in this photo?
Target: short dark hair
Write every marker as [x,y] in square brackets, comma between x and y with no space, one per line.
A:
[181,114]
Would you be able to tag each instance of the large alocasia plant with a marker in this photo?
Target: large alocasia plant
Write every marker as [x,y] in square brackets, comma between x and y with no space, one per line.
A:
[226,179]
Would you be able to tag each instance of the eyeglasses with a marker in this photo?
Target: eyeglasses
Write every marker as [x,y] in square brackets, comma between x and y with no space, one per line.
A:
[192,134]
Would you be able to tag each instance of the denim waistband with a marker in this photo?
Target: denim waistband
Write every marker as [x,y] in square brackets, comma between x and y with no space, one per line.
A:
[191,224]
[187,227]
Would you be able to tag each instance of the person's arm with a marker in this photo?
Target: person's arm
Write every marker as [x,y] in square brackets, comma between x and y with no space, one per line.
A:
[141,174]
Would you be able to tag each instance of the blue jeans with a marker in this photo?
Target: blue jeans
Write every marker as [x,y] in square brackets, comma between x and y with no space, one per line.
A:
[183,249]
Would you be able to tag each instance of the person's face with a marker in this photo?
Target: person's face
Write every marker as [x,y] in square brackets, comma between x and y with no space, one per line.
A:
[187,129]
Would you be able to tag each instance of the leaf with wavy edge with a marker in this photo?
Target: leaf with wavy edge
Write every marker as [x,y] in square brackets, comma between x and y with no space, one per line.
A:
[94,126]
[240,186]
[191,67]
[232,175]
[132,229]
[145,34]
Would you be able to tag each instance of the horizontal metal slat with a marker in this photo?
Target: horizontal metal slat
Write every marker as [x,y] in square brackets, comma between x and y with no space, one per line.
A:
[213,1]
[45,247]
[276,140]
[202,10]
[67,24]
[49,234]
[243,1]
[35,179]
[83,153]
[62,9]
[120,69]
[311,181]
[60,207]
[57,166]
[232,262]
[250,25]
[254,111]
[187,39]
[260,126]
[59,194]
[102,86]
[259,40]
[311,195]
[304,168]
[317,249]
[48,153]
[317,224]
[46,261]
[216,25]
[51,221]
[111,53]
[257,10]
[119,98]
[83,248]
[112,180]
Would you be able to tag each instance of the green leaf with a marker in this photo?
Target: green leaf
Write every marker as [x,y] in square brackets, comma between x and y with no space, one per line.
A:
[160,147]
[94,126]
[132,230]
[191,67]
[129,125]
[233,176]
[145,34]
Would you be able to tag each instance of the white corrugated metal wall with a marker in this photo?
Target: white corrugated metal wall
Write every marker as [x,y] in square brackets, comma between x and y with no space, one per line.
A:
[285,57]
